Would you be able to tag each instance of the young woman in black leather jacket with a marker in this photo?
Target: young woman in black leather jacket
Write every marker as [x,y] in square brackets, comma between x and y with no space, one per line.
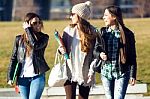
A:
[28,51]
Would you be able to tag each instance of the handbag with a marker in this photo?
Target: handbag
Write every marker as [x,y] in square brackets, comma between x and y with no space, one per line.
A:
[58,74]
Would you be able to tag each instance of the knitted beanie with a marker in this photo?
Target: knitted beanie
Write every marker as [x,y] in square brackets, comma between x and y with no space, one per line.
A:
[82,9]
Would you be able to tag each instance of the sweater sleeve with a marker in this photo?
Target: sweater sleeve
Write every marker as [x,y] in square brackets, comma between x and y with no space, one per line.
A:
[99,46]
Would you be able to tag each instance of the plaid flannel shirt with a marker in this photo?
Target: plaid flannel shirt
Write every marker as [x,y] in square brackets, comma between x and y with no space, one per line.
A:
[112,39]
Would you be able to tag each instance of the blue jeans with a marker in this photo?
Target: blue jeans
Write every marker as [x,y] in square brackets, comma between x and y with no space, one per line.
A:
[31,87]
[115,88]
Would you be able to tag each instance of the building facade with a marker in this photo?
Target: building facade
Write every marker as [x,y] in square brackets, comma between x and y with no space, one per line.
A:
[60,9]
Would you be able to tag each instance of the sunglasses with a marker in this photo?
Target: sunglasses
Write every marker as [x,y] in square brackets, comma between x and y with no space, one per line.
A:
[36,23]
[72,14]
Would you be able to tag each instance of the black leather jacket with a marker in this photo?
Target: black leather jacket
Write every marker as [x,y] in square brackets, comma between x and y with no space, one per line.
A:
[18,54]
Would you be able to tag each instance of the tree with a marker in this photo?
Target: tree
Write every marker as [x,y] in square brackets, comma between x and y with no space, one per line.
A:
[142,9]
[21,7]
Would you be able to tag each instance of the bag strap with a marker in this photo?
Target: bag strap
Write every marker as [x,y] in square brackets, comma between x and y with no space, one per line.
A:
[57,58]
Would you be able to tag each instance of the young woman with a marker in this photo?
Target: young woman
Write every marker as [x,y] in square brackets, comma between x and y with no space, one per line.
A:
[79,39]
[29,51]
[119,56]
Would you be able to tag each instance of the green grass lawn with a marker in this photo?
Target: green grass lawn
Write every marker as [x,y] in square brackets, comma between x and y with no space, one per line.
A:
[139,26]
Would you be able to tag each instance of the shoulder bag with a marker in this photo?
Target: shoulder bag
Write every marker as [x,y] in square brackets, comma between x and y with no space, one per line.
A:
[58,74]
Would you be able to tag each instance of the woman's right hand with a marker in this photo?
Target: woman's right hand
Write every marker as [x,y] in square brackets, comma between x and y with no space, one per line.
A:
[10,82]
[26,25]
[103,56]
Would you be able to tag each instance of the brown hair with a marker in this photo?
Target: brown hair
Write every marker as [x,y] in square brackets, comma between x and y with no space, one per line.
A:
[28,17]
[116,12]
[27,44]
[86,33]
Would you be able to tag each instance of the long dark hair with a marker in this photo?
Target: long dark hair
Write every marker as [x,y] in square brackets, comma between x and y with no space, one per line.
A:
[116,12]
[32,15]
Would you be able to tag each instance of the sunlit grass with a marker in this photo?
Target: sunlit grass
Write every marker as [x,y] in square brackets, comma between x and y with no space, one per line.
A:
[139,26]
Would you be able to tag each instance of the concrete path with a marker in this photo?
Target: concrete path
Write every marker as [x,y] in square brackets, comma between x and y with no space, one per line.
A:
[59,97]
[133,92]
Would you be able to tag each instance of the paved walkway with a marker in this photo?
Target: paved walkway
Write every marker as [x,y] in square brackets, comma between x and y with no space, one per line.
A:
[133,92]
[91,97]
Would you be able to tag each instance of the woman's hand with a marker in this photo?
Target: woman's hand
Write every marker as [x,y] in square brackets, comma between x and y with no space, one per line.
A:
[62,49]
[26,25]
[132,81]
[90,78]
[103,56]
[10,82]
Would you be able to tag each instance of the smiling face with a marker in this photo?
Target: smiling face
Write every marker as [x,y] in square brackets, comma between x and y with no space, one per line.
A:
[36,24]
[108,18]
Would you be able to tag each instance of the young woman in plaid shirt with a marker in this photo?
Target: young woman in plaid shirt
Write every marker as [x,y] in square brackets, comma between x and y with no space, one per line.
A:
[119,56]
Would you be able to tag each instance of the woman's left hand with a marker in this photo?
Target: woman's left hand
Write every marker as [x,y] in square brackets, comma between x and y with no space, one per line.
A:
[132,81]
[90,78]
[26,25]
[10,82]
